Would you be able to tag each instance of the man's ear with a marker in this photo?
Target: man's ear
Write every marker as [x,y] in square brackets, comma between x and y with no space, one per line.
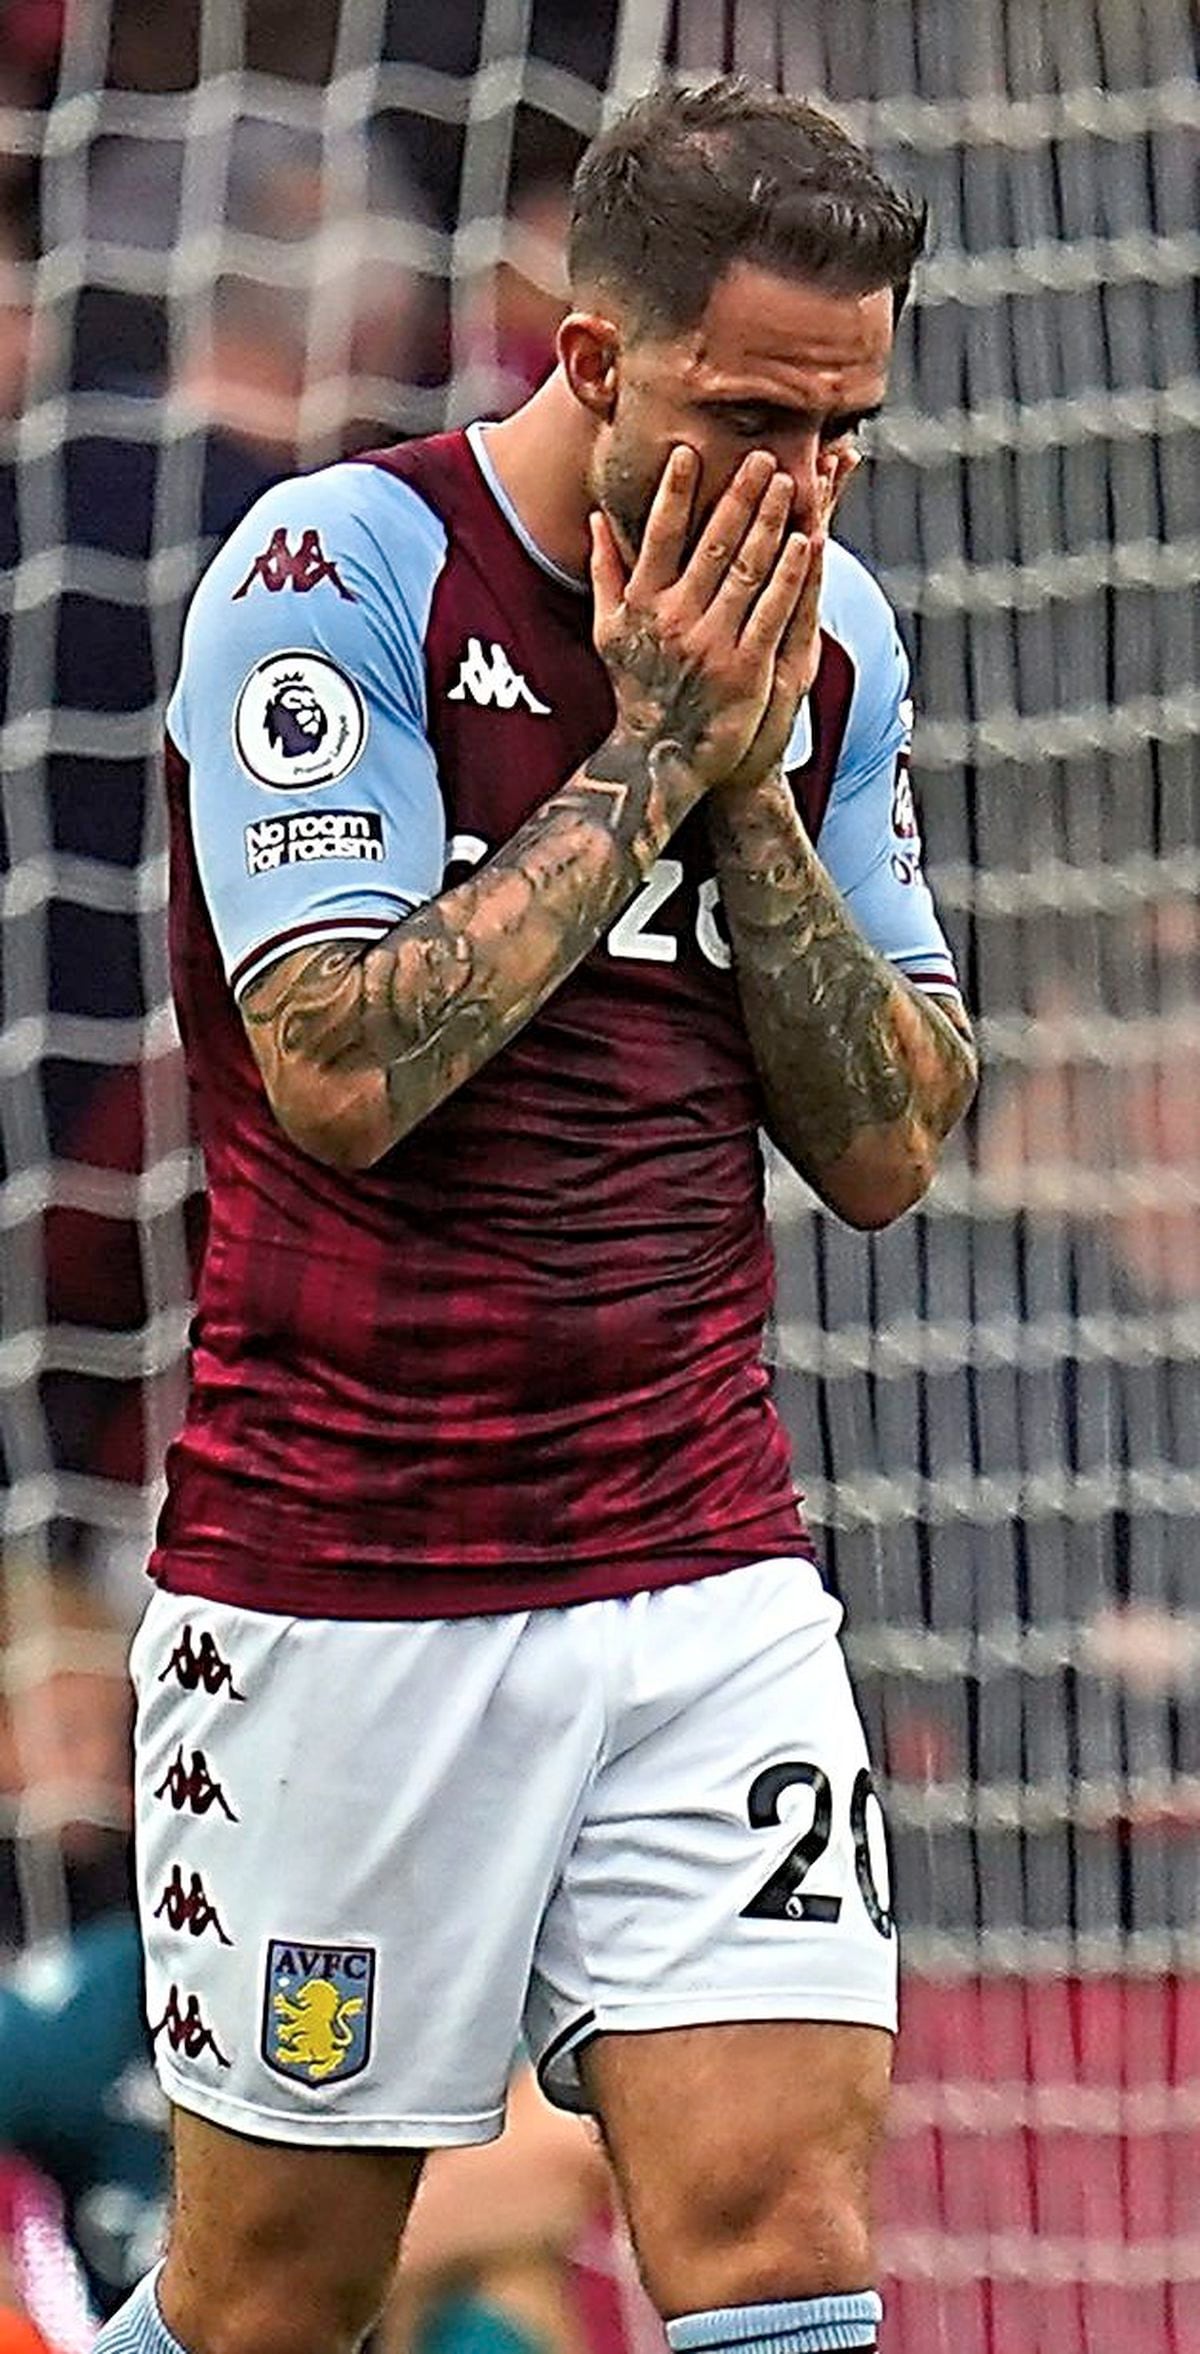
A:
[589,347]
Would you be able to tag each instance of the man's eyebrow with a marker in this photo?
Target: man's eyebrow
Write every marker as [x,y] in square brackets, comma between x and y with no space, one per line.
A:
[856,416]
[788,412]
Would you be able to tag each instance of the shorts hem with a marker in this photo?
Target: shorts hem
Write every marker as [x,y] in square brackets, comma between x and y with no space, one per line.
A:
[327,2128]
[557,2073]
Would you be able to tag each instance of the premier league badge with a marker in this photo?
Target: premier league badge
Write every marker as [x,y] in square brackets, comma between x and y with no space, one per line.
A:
[300,721]
[318,2010]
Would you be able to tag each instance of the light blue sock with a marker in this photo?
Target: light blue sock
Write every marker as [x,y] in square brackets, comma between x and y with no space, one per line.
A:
[137,2327]
[802,2325]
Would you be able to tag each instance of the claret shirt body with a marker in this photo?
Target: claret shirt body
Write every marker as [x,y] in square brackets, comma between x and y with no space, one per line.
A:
[518,1362]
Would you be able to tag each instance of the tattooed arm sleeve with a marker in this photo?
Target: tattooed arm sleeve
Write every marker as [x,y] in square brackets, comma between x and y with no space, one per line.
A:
[863,1075]
[356,1044]
[319,830]
[846,984]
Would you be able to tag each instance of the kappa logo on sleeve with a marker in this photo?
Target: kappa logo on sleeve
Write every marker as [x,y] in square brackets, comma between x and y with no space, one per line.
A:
[299,721]
[318,2010]
[280,566]
[311,834]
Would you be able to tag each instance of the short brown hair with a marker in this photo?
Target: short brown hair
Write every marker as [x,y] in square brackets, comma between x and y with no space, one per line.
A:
[688,181]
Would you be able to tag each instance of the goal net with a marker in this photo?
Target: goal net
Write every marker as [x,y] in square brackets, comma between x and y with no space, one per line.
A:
[276,234]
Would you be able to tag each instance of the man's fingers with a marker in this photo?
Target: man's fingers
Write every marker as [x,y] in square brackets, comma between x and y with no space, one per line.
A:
[665,535]
[724,532]
[750,566]
[800,639]
[607,565]
[775,615]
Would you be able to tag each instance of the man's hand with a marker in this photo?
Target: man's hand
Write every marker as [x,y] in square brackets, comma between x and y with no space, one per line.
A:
[357,1044]
[799,656]
[694,648]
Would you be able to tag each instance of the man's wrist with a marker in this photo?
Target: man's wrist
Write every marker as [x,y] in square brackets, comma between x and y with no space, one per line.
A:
[754,815]
[661,780]
[742,791]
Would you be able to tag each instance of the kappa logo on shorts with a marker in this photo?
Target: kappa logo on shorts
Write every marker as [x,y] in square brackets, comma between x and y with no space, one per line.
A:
[187,2029]
[189,1908]
[193,1786]
[193,1665]
[318,2010]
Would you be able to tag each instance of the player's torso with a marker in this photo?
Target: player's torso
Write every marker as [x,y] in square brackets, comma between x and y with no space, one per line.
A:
[518,701]
[642,1052]
[608,1155]
[534,1328]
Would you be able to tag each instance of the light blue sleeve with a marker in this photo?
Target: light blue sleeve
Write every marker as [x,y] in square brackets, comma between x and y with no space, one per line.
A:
[300,709]
[869,840]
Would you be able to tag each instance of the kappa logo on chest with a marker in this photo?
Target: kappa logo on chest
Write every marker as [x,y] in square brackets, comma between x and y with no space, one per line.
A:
[487,678]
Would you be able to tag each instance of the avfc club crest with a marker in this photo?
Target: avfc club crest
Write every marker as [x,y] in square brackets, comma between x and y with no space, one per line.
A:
[299,721]
[318,2010]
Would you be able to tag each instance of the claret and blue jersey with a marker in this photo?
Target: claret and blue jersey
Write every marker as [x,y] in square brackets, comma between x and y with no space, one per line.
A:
[519,1361]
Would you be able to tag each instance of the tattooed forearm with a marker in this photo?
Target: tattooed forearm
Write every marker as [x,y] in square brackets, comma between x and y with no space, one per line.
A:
[356,1044]
[863,1076]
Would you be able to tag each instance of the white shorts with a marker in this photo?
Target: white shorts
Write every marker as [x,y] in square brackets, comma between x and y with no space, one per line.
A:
[370,1853]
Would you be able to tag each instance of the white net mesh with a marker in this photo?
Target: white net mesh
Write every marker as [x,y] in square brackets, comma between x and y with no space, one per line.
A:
[264,237]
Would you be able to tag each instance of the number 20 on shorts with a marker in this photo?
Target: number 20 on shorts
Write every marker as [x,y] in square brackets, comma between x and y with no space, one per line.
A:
[786,1894]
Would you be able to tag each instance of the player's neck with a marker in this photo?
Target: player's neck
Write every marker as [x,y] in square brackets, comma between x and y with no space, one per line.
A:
[541,456]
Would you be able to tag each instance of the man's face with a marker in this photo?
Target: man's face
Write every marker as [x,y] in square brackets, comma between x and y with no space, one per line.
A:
[773,364]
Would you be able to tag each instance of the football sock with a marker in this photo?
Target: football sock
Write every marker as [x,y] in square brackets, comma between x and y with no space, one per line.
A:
[137,2327]
[797,2325]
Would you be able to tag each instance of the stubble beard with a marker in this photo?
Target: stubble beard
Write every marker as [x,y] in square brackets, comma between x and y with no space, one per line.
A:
[625,487]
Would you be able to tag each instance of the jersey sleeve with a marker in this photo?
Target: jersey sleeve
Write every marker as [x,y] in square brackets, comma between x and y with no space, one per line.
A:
[300,711]
[870,840]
